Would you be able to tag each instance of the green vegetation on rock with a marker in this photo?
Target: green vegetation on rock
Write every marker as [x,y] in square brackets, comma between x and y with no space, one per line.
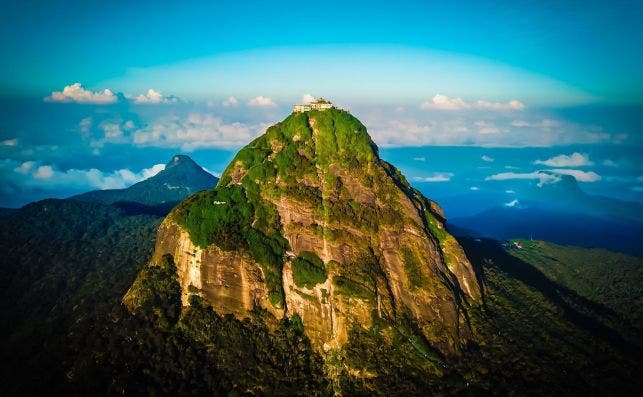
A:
[156,292]
[412,267]
[224,216]
[308,270]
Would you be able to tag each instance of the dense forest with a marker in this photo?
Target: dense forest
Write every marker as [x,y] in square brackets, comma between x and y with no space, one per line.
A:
[66,267]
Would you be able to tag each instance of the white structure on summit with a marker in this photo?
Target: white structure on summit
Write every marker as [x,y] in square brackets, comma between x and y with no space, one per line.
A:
[318,104]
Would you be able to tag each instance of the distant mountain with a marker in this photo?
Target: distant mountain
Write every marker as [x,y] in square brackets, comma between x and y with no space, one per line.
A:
[180,178]
[563,213]
[567,195]
[556,225]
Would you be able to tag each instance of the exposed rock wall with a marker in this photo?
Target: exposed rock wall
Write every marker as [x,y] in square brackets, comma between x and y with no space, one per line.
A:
[384,246]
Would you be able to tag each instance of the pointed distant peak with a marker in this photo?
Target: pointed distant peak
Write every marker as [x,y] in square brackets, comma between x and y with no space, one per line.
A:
[180,159]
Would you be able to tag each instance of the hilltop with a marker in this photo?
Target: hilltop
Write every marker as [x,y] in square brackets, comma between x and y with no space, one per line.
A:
[180,178]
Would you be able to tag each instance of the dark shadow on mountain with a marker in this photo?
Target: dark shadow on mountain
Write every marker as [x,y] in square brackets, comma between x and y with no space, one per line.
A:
[579,310]
[133,208]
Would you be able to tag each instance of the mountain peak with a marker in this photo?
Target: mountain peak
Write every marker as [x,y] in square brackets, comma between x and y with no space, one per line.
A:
[181,177]
[307,220]
[181,160]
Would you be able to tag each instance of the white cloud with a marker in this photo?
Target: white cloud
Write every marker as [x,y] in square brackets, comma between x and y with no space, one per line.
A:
[262,101]
[520,123]
[512,203]
[485,127]
[435,177]
[467,129]
[487,158]
[195,131]
[76,93]
[401,133]
[215,173]
[609,163]
[85,126]
[419,159]
[307,98]
[150,172]
[230,102]
[581,176]
[542,177]
[474,188]
[153,97]
[44,172]
[499,106]
[9,142]
[33,175]
[510,191]
[548,176]
[573,160]
[443,102]
[25,167]
[105,132]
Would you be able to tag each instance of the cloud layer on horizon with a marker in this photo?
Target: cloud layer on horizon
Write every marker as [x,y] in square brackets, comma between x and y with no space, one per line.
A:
[33,173]
[443,102]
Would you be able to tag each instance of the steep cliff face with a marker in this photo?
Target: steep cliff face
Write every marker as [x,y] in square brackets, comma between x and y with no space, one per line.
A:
[308,220]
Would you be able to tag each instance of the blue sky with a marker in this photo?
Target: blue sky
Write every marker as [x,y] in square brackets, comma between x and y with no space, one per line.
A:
[94,94]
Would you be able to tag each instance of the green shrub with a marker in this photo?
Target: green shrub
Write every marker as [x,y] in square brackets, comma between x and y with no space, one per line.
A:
[347,287]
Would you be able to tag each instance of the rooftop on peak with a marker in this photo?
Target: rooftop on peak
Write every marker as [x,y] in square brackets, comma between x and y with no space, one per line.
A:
[317,104]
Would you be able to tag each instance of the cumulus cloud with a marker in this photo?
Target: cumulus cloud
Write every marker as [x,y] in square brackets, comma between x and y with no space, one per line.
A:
[548,176]
[542,177]
[581,176]
[573,160]
[44,172]
[488,159]
[443,102]
[485,127]
[307,98]
[401,133]
[76,93]
[435,177]
[262,101]
[195,131]
[499,106]
[467,129]
[512,203]
[115,132]
[474,188]
[25,167]
[32,174]
[609,163]
[9,142]
[230,102]
[153,97]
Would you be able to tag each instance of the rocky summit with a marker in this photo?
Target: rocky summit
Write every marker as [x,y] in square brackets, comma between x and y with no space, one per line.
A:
[308,222]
